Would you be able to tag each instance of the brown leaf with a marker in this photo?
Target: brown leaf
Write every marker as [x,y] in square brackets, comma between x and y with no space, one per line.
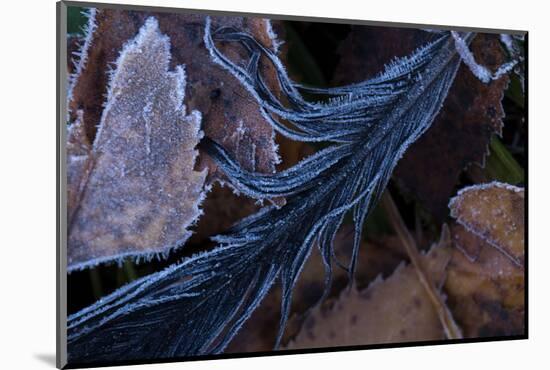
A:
[376,258]
[230,115]
[460,134]
[292,152]
[494,212]
[138,193]
[486,285]
[78,158]
[260,330]
[487,297]
[397,309]
[367,49]
[222,208]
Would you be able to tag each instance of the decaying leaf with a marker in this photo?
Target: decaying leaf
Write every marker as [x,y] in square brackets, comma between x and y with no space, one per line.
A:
[485,286]
[222,208]
[452,331]
[135,193]
[486,296]
[397,309]
[367,49]
[292,152]
[494,212]
[78,155]
[230,115]
[375,259]
[471,114]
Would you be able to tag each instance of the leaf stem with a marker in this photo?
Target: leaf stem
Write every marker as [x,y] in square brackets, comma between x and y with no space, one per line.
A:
[452,331]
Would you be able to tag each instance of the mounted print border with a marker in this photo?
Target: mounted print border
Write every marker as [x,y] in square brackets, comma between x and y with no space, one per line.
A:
[236,184]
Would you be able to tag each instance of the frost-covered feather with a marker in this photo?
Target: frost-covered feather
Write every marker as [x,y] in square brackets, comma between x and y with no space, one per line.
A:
[197,306]
[276,43]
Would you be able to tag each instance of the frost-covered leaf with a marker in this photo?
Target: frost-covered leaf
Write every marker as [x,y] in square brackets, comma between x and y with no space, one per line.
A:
[486,282]
[230,115]
[136,192]
[485,294]
[460,135]
[463,128]
[393,310]
[496,213]
[74,45]
[78,162]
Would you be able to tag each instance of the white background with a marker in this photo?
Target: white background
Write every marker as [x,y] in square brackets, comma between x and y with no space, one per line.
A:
[27,173]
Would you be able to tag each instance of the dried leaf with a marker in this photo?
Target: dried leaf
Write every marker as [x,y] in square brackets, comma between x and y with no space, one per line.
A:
[471,114]
[222,208]
[138,193]
[292,152]
[397,309]
[367,49]
[494,212]
[486,296]
[376,258]
[466,242]
[78,162]
[373,259]
[260,330]
[486,285]
[230,115]
[452,331]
